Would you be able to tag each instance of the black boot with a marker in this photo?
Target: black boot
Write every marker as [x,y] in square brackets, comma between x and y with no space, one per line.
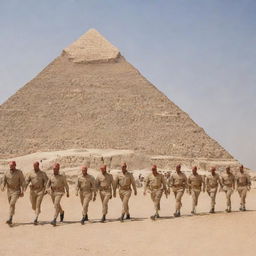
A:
[128,217]
[212,211]
[176,214]
[82,220]
[103,219]
[122,218]
[244,209]
[9,221]
[53,222]
[36,221]
[61,217]
[86,217]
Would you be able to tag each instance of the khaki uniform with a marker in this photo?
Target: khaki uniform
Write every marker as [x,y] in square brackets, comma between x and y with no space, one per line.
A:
[243,183]
[37,181]
[14,181]
[104,184]
[178,183]
[56,185]
[195,183]
[228,182]
[124,182]
[212,184]
[86,186]
[156,184]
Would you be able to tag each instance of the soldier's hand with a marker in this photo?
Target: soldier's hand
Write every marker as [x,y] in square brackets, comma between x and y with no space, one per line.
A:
[114,195]
[94,198]
[166,194]
[249,188]
[135,193]
[110,197]
[21,194]
[144,193]
[67,194]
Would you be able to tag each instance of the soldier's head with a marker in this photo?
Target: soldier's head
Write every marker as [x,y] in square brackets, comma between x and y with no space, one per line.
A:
[178,167]
[228,170]
[241,169]
[84,170]
[36,166]
[154,169]
[194,170]
[124,167]
[213,170]
[12,165]
[103,169]
[56,168]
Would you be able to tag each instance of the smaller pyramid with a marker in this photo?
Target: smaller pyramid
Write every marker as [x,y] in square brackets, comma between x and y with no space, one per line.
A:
[91,47]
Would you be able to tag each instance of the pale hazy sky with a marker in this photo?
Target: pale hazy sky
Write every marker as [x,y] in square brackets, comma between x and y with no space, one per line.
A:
[200,53]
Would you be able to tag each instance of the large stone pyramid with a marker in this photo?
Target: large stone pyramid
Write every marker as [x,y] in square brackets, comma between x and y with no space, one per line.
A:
[91,97]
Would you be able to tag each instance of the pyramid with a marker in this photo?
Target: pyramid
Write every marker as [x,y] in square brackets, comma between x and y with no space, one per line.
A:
[91,97]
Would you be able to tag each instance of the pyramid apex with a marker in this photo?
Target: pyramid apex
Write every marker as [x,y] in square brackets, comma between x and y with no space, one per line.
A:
[91,47]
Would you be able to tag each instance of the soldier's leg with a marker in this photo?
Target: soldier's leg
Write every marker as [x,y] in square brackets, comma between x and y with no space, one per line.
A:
[228,195]
[179,195]
[193,194]
[243,197]
[58,209]
[105,203]
[39,200]
[87,199]
[153,198]
[121,194]
[213,198]
[158,197]
[127,195]
[33,197]
[12,201]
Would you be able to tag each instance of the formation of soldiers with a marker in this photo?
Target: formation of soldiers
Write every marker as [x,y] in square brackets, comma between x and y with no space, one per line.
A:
[87,187]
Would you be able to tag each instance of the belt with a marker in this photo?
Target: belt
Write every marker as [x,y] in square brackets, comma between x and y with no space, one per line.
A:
[125,187]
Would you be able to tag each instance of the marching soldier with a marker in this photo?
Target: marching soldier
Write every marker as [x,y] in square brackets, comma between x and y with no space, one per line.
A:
[14,180]
[86,186]
[37,180]
[212,183]
[56,187]
[178,183]
[195,184]
[156,184]
[124,181]
[228,182]
[243,184]
[104,184]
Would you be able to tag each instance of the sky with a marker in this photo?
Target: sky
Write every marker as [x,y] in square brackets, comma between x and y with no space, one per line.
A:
[200,53]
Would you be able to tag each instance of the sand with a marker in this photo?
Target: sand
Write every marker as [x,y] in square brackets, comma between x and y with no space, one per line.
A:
[204,234]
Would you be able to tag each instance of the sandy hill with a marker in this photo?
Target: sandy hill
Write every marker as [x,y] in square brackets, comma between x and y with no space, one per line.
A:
[91,97]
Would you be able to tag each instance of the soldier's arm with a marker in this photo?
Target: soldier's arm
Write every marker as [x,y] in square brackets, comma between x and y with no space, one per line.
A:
[249,182]
[93,184]
[133,184]
[4,182]
[220,182]
[146,185]
[234,182]
[203,183]
[164,186]
[27,181]
[22,183]
[111,185]
[77,187]
[66,185]
[97,183]
[115,184]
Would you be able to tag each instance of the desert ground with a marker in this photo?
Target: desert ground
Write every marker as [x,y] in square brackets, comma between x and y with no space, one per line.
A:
[202,234]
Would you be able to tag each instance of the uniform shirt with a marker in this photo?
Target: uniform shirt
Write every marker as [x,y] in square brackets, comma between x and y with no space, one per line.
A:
[155,182]
[85,183]
[243,179]
[13,180]
[195,181]
[124,181]
[178,180]
[228,179]
[38,180]
[212,181]
[58,183]
[104,181]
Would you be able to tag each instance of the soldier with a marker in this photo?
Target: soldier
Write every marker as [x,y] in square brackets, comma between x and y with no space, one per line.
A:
[14,180]
[195,184]
[37,180]
[86,186]
[56,187]
[243,184]
[212,183]
[123,181]
[228,182]
[104,184]
[178,183]
[156,184]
